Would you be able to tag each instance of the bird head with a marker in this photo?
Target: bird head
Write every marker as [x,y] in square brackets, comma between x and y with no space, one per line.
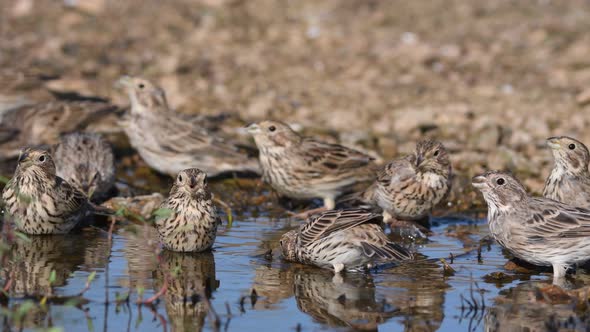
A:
[37,161]
[500,189]
[192,182]
[144,95]
[431,156]
[570,155]
[269,134]
[288,242]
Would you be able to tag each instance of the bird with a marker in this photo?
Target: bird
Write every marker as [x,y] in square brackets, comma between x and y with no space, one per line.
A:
[351,239]
[187,220]
[86,161]
[170,142]
[40,202]
[42,124]
[569,181]
[408,188]
[305,168]
[538,230]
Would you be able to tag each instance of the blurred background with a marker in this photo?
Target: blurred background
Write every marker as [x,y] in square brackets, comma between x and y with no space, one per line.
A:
[492,79]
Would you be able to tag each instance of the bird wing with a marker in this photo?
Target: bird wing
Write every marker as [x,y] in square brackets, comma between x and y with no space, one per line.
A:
[321,158]
[557,220]
[332,221]
[375,244]
[397,171]
[73,200]
[185,137]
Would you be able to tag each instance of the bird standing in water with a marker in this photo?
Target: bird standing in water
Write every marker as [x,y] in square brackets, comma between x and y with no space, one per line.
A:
[538,230]
[40,202]
[350,239]
[188,218]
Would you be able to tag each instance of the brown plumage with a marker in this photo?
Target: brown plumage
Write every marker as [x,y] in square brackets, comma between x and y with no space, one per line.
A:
[302,167]
[39,201]
[538,230]
[350,239]
[43,123]
[569,181]
[408,188]
[86,161]
[170,142]
[188,218]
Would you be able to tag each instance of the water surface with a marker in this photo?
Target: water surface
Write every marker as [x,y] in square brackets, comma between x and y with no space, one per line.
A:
[248,289]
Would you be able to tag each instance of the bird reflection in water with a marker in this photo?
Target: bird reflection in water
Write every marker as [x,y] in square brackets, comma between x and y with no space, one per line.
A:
[190,276]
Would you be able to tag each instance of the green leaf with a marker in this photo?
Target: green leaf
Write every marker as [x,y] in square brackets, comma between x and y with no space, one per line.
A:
[163,212]
[22,236]
[91,277]
[52,277]
[24,309]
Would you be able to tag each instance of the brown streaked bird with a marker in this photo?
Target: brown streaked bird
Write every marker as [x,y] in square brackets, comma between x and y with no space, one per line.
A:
[410,187]
[86,161]
[169,141]
[569,181]
[350,239]
[538,230]
[304,168]
[39,201]
[188,219]
[43,123]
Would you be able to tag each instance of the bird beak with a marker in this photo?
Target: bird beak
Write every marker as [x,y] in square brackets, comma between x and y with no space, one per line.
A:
[124,82]
[419,159]
[193,182]
[22,157]
[253,128]
[478,181]
[553,143]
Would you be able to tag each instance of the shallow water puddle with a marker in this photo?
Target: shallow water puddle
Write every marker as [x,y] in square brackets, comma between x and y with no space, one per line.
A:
[248,288]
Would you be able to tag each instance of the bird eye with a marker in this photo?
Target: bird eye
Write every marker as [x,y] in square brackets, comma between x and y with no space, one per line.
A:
[141,85]
[281,243]
[436,153]
[42,158]
[272,128]
[500,181]
[180,178]
[572,146]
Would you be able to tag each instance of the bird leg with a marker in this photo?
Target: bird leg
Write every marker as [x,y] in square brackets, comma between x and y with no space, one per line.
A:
[338,267]
[329,203]
[559,272]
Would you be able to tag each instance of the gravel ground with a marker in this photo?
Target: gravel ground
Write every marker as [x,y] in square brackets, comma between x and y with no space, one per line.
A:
[491,79]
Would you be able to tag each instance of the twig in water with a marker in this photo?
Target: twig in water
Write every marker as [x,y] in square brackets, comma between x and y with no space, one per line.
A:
[88,281]
[161,292]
